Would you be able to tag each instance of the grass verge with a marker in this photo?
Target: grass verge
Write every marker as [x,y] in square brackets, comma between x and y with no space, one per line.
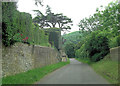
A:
[84,60]
[33,75]
[105,67]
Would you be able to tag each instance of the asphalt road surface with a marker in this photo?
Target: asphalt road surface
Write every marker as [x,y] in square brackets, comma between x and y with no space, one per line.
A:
[73,73]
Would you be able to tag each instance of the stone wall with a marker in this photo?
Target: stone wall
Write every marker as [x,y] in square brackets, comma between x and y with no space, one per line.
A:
[22,57]
[44,56]
[115,53]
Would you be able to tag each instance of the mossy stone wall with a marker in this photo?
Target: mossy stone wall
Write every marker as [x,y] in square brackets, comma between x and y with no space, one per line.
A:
[23,57]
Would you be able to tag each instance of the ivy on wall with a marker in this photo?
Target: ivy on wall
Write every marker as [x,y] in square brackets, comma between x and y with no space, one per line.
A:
[54,37]
[18,27]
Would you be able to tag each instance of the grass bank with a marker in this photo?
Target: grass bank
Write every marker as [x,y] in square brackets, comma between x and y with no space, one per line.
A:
[32,76]
[106,67]
[84,60]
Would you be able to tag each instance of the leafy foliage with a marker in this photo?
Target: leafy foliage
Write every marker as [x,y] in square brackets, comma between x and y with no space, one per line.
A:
[52,19]
[103,19]
[103,29]
[118,40]
[81,53]
[8,22]
[106,20]
[73,37]
[69,49]
[54,37]
[38,36]
[18,27]
[97,46]
[98,33]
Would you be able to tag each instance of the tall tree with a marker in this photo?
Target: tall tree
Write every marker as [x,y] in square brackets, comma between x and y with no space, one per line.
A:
[39,2]
[52,19]
[107,19]
[8,22]
[48,9]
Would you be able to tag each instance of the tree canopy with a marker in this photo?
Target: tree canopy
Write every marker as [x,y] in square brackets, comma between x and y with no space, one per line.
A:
[98,33]
[106,19]
[51,19]
[18,27]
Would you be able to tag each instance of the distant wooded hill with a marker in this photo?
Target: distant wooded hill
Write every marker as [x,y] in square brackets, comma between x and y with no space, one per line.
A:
[73,37]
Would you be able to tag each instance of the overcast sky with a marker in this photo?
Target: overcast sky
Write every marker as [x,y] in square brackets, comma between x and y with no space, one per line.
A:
[74,9]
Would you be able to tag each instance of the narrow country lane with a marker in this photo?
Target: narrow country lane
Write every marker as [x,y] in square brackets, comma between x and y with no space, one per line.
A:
[74,73]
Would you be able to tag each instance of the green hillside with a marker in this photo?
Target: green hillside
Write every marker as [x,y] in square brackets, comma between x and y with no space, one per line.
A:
[73,37]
